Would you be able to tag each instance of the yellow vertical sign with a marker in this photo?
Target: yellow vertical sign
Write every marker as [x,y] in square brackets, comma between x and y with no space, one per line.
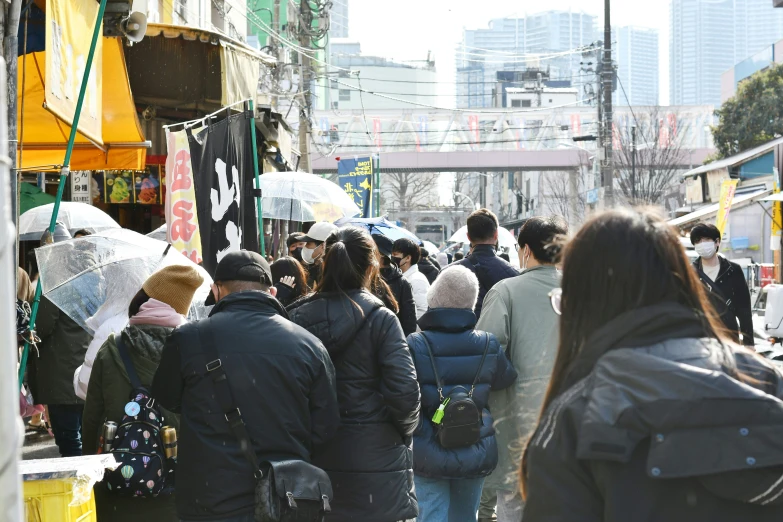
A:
[727,190]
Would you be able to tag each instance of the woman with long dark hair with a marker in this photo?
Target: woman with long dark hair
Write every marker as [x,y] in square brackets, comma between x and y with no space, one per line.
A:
[289,277]
[370,460]
[651,413]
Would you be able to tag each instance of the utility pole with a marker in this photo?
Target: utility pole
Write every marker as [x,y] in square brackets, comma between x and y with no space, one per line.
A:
[304,86]
[633,164]
[607,168]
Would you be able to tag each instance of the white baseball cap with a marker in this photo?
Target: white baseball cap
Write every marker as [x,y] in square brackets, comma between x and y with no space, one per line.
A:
[319,232]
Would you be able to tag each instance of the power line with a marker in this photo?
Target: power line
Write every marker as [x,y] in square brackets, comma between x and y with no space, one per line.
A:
[523,129]
[463,110]
[465,143]
[521,82]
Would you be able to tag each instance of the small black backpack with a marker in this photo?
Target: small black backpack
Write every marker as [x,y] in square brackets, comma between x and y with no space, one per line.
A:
[458,418]
[143,469]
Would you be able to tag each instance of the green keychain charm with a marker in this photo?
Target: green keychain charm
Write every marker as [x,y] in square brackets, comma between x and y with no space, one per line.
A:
[439,413]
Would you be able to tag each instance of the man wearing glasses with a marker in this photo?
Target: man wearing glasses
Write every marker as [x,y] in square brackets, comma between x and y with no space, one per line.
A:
[522,312]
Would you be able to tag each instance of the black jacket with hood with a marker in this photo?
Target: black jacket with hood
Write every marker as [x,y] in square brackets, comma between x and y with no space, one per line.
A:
[370,461]
[429,270]
[662,429]
[401,289]
[730,296]
[282,381]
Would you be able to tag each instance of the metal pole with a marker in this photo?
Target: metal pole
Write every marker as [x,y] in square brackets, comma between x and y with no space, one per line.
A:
[608,167]
[377,185]
[66,169]
[304,78]
[633,164]
[259,202]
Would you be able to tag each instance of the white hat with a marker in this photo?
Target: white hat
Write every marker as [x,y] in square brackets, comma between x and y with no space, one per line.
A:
[319,232]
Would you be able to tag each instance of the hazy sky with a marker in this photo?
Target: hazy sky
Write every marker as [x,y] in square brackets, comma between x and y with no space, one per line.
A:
[407,29]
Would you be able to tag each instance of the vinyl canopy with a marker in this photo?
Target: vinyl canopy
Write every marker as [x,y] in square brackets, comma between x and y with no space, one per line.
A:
[44,136]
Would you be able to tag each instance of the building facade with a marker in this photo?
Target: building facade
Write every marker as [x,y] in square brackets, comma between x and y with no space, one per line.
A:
[635,51]
[510,44]
[707,37]
[338,27]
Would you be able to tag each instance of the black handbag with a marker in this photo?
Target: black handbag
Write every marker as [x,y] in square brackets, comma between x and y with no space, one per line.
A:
[286,490]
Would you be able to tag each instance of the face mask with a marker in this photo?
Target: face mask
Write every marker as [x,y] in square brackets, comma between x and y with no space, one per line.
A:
[396,261]
[307,255]
[297,253]
[706,249]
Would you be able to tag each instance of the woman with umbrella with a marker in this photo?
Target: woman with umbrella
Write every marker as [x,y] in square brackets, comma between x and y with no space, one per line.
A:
[158,308]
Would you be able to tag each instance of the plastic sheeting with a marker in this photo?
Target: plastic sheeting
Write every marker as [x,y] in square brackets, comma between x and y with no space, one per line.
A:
[94,278]
[299,196]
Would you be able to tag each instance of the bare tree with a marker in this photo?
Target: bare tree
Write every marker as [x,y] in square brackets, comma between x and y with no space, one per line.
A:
[564,194]
[409,190]
[659,155]
[464,185]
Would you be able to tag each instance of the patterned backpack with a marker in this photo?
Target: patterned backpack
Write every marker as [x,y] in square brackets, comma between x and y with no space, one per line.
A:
[143,469]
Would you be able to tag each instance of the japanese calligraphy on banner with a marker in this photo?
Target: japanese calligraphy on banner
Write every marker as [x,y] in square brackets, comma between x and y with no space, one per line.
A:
[222,161]
[81,186]
[727,191]
[69,25]
[355,177]
[181,215]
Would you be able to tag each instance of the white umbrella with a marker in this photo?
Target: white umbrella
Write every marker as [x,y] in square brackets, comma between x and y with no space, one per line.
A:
[430,247]
[94,278]
[299,196]
[505,238]
[75,216]
[160,233]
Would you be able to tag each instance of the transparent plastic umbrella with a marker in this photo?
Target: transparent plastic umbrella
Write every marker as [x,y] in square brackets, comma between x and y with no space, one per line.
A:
[75,216]
[94,278]
[299,196]
[159,233]
[505,238]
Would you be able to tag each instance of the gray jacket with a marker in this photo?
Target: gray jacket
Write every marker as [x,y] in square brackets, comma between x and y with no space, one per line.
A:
[519,313]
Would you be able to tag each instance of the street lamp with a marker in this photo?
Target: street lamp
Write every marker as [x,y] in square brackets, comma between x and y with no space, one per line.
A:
[472,203]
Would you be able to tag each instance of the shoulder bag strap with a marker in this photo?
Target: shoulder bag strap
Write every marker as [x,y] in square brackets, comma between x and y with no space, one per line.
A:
[226,400]
[126,360]
[434,367]
[481,365]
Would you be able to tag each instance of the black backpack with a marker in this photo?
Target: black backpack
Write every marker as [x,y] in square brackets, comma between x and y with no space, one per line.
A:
[143,470]
[458,418]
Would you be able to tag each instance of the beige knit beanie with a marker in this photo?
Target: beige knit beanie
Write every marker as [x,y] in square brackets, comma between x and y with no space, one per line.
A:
[174,285]
[455,287]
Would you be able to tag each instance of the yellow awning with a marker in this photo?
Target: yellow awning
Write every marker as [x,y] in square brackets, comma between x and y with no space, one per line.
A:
[43,136]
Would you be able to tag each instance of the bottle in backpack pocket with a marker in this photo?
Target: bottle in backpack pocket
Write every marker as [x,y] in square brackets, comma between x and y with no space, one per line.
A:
[169,435]
[107,435]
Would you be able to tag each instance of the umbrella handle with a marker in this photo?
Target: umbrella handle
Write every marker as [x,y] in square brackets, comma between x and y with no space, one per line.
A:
[166,252]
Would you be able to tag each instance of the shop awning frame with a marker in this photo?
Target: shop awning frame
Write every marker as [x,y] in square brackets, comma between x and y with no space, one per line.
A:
[710,211]
[737,159]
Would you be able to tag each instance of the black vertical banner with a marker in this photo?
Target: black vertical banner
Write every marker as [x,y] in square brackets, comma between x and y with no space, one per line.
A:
[223,174]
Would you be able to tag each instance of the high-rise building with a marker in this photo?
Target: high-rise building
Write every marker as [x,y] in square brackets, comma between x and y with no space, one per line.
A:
[510,44]
[707,37]
[635,51]
[338,27]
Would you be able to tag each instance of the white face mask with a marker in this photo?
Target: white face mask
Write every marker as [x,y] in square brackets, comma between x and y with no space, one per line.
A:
[307,255]
[706,249]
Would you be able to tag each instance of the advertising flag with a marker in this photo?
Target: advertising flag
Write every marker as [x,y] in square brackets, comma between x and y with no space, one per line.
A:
[355,177]
[181,215]
[727,191]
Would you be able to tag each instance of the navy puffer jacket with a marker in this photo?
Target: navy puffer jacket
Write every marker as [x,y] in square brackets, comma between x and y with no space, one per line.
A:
[458,349]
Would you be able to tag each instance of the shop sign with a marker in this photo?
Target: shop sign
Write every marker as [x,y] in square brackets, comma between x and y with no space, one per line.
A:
[81,186]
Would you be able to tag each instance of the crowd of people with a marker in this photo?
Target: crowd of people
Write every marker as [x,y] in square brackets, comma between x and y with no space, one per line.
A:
[603,380]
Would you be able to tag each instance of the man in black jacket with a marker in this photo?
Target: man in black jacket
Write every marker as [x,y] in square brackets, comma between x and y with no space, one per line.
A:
[399,286]
[483,260]
[427,267]
[281,378]
[725,283]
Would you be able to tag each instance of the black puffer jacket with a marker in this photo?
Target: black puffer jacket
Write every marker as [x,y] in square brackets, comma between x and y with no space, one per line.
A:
[730,296]
[370,461]
[429,270]
[661,430]
[457,349]
[282,381]
[489,270]
[403,293]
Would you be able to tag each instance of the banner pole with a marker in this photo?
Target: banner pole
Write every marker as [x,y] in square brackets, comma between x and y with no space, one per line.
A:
[64,172]
[259,203]
[378,185]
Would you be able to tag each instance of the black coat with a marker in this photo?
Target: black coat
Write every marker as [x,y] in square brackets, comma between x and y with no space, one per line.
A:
[370,461]
[429,270]
[489,269]
[403,293]
[282,381]
[730,296]
[62,349]
[662,432]
[457,348]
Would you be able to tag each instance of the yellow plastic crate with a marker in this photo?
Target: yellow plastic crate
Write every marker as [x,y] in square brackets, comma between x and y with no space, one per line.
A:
[47,501]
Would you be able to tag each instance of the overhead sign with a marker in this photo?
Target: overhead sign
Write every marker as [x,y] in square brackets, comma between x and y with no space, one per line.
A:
[69,28]
[355,178]
[727,191]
